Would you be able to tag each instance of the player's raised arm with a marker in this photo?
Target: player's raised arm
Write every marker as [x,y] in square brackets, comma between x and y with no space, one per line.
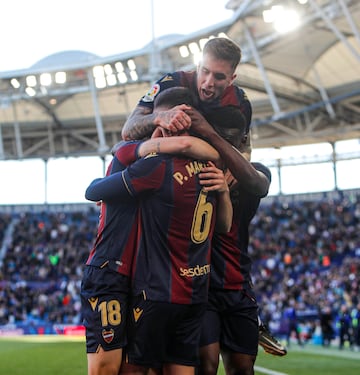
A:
[190,146]
[142,121]
[240,167]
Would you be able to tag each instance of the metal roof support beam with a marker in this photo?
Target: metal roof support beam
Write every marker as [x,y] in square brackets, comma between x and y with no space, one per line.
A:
[36,146]
[19,149]
[268,87]
[334,162]
[83,139]
[285,129]
[350,20]
[52,149]
[99,125]
[323,93]
[334,29]
[2,154]
[65,144]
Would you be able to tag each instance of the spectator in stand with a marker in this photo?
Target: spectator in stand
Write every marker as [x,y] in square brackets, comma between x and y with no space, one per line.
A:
[326,324]
[292,323]
[355,315]
[303,224]
[345,327]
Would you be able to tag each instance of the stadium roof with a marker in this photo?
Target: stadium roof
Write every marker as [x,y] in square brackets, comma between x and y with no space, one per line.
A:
[304,84]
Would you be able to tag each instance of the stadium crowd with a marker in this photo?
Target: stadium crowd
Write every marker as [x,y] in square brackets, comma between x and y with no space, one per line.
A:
[306,265]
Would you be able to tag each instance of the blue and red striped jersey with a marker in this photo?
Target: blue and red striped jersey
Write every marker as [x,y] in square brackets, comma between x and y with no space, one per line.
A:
[117,230]
[230,261]
[177,223]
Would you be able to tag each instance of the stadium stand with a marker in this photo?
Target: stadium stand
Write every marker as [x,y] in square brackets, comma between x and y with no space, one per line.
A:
[305,249]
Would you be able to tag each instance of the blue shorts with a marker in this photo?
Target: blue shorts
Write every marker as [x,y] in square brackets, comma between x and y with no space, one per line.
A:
[231,319]
[162,333]
[104,304]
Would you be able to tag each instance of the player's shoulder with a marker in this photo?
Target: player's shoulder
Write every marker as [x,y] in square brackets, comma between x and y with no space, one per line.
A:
[234,95]
[263,169]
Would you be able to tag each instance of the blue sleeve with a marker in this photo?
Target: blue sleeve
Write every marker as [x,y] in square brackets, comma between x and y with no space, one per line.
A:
[144,175]
[108,188]
[165,82]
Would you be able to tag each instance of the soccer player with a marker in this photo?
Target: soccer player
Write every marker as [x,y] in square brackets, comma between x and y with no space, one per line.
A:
[212,85]
[170,281]
[232,311]
[203,207]
[105,284]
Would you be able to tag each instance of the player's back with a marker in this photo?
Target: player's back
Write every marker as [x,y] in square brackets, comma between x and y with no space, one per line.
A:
[117,229]
[177,221]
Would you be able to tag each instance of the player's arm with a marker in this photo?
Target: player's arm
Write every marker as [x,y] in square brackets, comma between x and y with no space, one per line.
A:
[251,180]
[190,146]
[263,171]
[142,121]
[108,188]
[213,179]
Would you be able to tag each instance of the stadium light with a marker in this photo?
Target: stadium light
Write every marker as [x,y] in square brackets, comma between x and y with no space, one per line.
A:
[119,67]
[111,80]
[60,77]
[45,79]
[31,81]
[122,77]
[131,64]
[134,75]
[284,20]
[184,51]
[15,83]
[194,48]
[30,91]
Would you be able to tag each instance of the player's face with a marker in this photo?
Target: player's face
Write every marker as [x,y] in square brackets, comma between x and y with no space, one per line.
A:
[213,77]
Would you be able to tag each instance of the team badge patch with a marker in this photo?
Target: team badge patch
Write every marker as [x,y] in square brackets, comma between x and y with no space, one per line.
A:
[93,302]
[150,95]
[167,78]
[108,335]
[137,313]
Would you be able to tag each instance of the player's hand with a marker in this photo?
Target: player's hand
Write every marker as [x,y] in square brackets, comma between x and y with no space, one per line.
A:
[159,132]
[175,119]
[213,179]
[199,124]
[230,179]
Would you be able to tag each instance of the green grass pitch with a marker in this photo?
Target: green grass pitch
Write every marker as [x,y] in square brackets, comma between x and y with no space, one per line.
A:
[56,355]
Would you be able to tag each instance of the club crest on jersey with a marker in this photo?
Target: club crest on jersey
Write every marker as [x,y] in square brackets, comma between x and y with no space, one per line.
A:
[108,335]
[150,95]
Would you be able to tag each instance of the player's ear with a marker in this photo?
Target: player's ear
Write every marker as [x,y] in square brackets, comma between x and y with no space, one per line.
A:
[233,78]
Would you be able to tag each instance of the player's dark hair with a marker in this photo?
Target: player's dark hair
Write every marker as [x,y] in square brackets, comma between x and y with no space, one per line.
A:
[230,123]
[174,96]
[223,49]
